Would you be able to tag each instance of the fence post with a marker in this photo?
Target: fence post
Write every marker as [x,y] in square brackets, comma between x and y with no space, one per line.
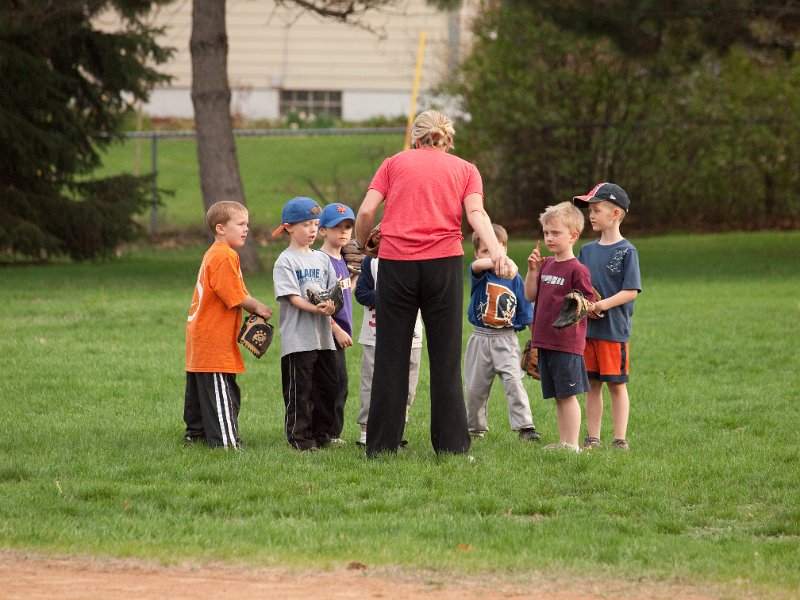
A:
[154,183]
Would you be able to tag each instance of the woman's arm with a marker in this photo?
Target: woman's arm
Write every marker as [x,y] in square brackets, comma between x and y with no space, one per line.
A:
[480,222]
[366,215]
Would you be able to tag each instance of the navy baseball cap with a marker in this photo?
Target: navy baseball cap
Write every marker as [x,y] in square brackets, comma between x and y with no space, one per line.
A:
[296,210]
[604,191]
[333,214]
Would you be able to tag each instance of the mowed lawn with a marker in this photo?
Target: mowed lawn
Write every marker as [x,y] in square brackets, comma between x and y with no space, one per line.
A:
[92,463]
[273,170]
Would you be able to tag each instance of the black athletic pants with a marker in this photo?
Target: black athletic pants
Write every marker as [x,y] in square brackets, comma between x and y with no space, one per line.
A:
[436,287]
[310,389]
[211,408]
[341,397]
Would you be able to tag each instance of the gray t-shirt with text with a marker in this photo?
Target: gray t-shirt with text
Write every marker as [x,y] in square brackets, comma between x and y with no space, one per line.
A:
[295,272]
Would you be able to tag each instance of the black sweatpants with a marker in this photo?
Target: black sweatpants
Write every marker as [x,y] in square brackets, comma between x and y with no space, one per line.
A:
[436,287]
[211,408]
[310,389]
[341,397]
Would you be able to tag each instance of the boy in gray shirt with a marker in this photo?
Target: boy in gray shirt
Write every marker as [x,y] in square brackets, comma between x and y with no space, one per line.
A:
[308,357]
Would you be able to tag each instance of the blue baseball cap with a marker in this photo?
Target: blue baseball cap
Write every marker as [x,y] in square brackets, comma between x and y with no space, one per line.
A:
[610,192]
[296,210]
[333,214]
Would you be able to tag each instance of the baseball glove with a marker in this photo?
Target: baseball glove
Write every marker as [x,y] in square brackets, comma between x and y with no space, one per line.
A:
[574,309]
[596,314]
[373,242]
[530,360]
[353,256]
[256,335]
[332,293]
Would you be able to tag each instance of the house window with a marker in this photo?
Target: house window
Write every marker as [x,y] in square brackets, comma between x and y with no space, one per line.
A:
[311,102]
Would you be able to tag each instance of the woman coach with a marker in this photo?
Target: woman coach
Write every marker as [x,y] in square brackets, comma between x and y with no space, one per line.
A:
[426,191]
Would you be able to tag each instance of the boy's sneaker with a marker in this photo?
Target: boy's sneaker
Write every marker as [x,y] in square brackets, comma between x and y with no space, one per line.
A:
[563,446]
[477,434]
[337,442]
[309,449]
[362,440]
[529,434]
[620,444]
[592,443]
[194,439]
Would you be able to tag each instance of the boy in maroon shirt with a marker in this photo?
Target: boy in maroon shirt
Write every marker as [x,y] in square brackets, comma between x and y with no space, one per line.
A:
[548,280]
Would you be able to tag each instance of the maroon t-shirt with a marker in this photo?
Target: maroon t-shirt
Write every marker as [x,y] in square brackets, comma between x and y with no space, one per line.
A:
[556,280]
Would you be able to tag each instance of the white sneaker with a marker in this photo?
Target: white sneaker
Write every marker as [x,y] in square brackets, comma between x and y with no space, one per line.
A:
[362,439]
[563,446]
[338,442]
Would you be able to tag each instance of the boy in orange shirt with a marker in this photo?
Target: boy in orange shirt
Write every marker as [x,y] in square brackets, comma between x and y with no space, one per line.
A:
[211,404]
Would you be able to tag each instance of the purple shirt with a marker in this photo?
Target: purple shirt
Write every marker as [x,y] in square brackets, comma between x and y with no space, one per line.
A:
[344,318]
[556,280]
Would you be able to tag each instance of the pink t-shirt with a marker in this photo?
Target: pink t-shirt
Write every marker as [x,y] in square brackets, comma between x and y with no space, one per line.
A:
[424,191]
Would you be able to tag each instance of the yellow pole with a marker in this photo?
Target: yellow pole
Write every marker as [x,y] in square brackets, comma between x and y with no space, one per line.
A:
[414,91]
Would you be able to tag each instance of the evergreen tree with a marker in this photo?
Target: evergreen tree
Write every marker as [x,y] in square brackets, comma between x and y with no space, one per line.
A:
[66,86]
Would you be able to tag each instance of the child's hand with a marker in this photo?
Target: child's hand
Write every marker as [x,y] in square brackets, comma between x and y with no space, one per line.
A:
[535,260]
[262,310]
[326,308]
[342,338]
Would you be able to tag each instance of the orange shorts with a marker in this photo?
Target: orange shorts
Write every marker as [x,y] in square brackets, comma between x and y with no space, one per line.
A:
[606,361]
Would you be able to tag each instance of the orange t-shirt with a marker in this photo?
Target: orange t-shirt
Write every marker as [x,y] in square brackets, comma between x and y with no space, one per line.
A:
[214,316]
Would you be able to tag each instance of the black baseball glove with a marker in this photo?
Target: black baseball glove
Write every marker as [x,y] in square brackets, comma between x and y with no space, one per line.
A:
[256,335]
[332,293]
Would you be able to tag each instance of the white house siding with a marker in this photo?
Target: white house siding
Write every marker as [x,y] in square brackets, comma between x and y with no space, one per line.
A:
[273,48]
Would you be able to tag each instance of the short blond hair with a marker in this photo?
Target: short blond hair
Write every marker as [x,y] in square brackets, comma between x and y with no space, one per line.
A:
[565,213]
[221,212]
[499,231]
[433,129]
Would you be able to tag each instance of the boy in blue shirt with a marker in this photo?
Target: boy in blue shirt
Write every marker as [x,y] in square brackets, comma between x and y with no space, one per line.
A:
[497,310]
[614,266]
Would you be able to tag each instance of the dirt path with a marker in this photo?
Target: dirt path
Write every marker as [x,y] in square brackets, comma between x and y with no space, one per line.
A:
[31,577]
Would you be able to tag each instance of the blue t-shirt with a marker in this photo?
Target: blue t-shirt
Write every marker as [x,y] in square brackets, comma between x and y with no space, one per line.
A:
[613,268]
[497,303]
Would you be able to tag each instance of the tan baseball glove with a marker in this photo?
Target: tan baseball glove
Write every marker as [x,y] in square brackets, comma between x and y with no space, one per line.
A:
[353,256]
[373,242]
[574,309]
[530,360]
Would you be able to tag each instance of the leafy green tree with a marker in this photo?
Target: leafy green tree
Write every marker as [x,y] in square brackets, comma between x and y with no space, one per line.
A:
[542,104]
[66,86]
[691,110]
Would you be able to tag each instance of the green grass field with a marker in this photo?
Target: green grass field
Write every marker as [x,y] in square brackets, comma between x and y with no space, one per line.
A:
[92,464]
[273,169]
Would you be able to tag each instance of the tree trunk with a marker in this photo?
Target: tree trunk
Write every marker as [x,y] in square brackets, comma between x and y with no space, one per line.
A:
[211,97]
